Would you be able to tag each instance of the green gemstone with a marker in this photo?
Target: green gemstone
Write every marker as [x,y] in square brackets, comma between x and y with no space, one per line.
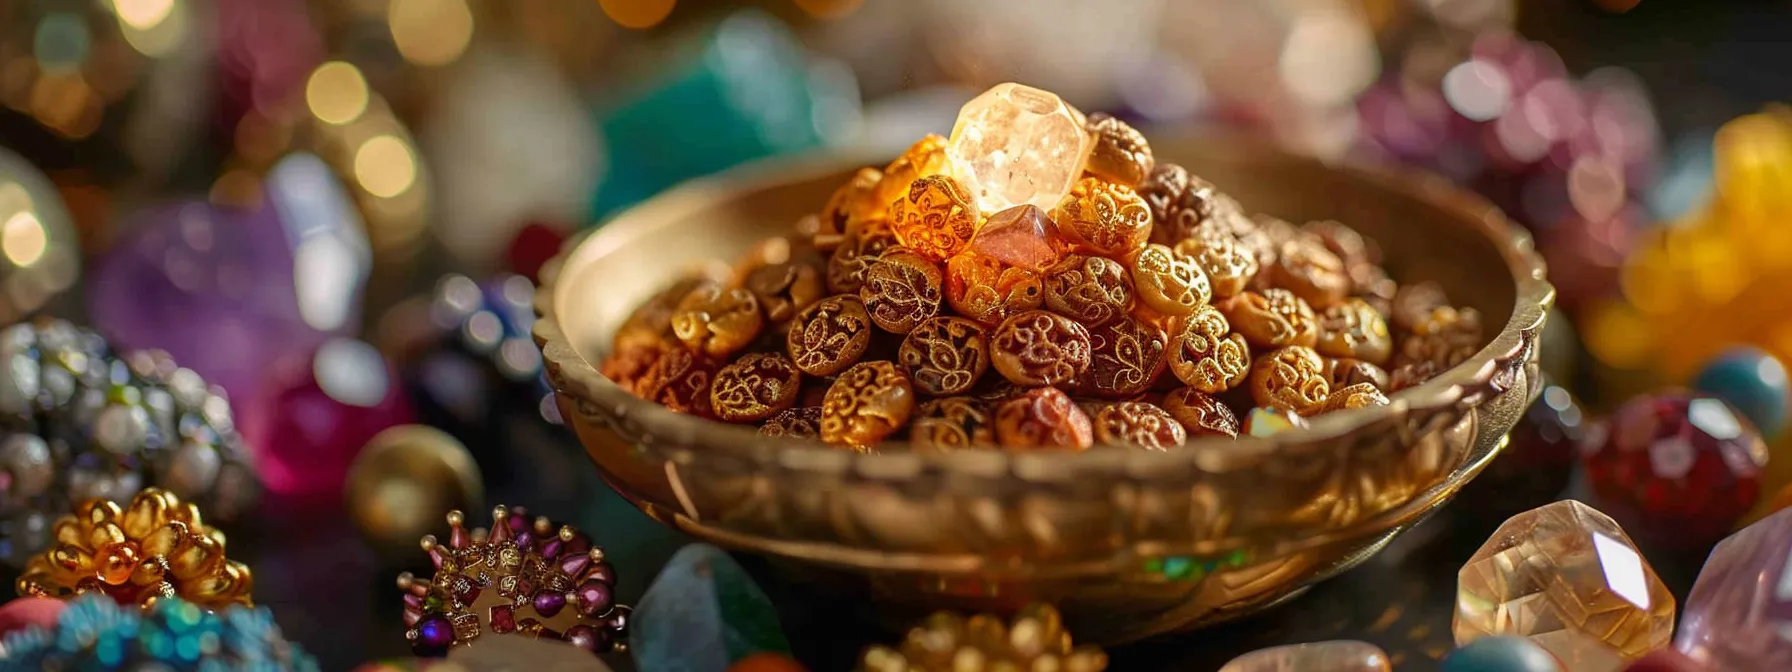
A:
[1179,567]
[1154,566]
[702,614]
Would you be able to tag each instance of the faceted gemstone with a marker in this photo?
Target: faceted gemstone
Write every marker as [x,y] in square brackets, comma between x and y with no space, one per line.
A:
[1333,656]
[314,415]
[1677,469]
[1739,614]
[1022,236]
[1567,577]
[1501,654]
[1017,145]
[503,618]
[703,614]
[1751,381]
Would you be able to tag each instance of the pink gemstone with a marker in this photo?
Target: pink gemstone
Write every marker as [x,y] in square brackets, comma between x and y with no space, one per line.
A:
[1021,236]
[1677,470]
[594,598]
[1668,660]
[575,563]
[316,413]
[503,619]
[1739,614]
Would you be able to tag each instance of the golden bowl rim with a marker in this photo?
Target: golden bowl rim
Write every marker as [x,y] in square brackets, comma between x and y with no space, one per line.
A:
[570,373]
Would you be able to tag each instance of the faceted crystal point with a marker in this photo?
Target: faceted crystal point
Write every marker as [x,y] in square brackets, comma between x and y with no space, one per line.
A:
[1021,236]
[1739,614]
[1017,145]
[1567,577]
[703,614]
[1333,656]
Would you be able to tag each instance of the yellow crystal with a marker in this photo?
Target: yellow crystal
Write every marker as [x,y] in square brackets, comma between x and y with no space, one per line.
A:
[1567,577]
[1017,145]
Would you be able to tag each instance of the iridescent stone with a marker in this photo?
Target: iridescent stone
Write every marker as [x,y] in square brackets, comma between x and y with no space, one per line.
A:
[1501,654]
[1677,470]
[1739,614]
[703,614]
[1261,422]
[1334,656]
[1567,577]
[1023,236]
[1752,381]
[1017,145]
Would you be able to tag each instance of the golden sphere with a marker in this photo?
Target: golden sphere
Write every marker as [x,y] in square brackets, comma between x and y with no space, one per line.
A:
[403,482]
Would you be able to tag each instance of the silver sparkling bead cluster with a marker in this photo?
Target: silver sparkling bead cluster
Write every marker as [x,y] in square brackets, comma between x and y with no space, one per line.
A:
[78,421]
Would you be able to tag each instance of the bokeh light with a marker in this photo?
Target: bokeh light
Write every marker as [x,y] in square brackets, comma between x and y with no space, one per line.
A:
[143,14]
[385,166]
[430,32]
[336,93]
[24,239]
[637,14]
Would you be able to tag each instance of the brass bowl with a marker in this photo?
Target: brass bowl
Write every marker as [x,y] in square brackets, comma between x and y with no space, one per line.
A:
[1128,544]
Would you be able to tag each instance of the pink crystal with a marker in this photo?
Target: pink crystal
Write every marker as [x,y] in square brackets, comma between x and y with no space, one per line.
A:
[1023,236]
[1739,615]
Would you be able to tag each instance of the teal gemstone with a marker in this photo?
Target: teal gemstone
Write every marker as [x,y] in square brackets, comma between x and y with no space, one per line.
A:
[1178,568]
[1500,654]
[702,614]
[746,89]
[1753,382]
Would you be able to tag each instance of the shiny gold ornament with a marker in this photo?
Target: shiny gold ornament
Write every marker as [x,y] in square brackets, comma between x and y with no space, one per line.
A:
[1360,395]
[1138,424]
[401,478]
[867,403]
[717,321]
[854,202]
[1229,265]
[1354,329]
[926,157]
[1273,318]
[1291,379]
[1169,282]
[155,547]
[858,251]
[1104,218]
[954,422]
[1121,155]
[936,218]
[1205,355]
[989,291]
[902,290]
[1034,639]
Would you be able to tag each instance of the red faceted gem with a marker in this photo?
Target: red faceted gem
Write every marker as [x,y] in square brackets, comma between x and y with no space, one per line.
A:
[1676,469]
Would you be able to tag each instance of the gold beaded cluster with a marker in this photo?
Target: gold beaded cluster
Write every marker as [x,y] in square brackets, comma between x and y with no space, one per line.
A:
[155,547]
[1146,307]
[1034,639]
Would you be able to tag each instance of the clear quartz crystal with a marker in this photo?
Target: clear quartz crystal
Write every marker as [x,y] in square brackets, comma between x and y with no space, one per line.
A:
[1566,576]
[1017,145]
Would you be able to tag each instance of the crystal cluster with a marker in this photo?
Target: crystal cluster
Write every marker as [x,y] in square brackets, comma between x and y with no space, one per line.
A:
[94,633]
[1037,281]
[524,578]
[82,421]
[1034,639]
[1568,578]
[156,548]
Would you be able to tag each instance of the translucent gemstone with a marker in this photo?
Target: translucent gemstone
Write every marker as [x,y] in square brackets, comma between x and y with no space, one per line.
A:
[1669,660]
[703,614]
[1678,470]
[1333,656]
[1739,614]
[1021,236]
[1262,422]
[1567,577]
[1017,145]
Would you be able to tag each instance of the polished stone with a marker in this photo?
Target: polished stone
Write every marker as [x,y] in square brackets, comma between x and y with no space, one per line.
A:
[1678,470]
[1568,578]
[1739,614]
[1501,654]
[1752,381]
[1017,145]
[1022,236]
[1334,656]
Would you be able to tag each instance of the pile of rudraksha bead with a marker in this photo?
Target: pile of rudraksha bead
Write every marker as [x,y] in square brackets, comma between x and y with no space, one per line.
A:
[1118,301]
